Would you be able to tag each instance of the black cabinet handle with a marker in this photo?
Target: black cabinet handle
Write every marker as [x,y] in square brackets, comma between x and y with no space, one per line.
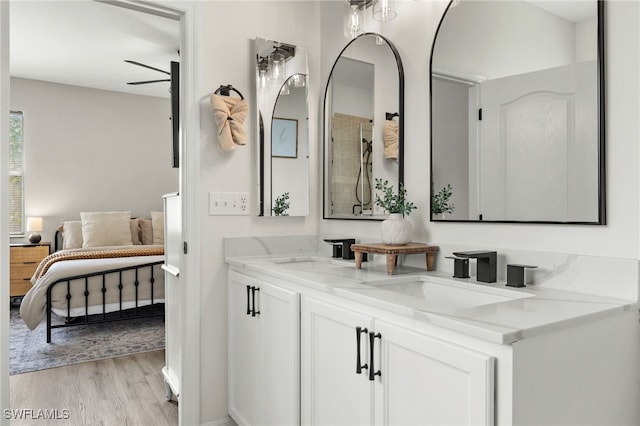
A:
[359,365]
[248,306]
[253,301]
[372,337]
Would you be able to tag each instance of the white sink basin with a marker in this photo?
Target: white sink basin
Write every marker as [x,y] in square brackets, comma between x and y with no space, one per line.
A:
[448,292]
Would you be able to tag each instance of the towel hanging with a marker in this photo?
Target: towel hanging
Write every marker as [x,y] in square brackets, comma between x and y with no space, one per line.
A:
[224,90]
[229,115]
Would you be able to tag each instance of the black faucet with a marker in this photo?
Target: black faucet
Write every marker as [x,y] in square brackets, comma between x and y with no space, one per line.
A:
[342,247]
[515,274]
[486,267]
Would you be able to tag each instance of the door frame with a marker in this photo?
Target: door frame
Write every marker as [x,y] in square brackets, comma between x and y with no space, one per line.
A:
[189,177]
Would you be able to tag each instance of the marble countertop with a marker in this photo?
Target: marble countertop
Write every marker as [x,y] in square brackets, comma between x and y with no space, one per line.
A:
[518,314]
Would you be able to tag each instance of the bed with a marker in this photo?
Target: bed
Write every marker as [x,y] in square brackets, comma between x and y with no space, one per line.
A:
[92,278]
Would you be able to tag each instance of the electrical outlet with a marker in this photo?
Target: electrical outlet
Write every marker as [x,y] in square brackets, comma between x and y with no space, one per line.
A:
[228,203]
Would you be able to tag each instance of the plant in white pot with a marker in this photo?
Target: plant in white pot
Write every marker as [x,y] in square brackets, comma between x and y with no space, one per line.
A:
[396,230]
[440,201]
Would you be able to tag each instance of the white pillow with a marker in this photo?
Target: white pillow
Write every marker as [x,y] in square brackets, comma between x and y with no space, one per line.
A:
[71,234]
[135,232]
[157,222]
[106,229]
[146,231]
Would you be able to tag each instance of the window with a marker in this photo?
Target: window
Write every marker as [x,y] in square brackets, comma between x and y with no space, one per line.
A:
[16,174]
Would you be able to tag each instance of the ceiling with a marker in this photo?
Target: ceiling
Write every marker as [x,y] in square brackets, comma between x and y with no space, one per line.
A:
[84,43]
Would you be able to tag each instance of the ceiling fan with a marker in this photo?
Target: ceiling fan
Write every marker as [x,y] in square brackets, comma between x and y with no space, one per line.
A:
[151,68]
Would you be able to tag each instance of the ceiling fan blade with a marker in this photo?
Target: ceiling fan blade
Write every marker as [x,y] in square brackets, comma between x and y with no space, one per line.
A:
[147,66]
[135,83]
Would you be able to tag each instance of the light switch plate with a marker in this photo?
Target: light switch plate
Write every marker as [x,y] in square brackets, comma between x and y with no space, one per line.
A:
[228,203]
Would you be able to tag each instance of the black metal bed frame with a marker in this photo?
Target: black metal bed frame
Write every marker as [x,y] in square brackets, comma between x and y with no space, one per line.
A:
[117,315]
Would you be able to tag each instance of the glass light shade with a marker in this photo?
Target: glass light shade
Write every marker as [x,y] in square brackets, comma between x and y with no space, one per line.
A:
[262,79]
[353,22]
[384,10]
[298,80]
[34,224]
[285,89]
[276,67]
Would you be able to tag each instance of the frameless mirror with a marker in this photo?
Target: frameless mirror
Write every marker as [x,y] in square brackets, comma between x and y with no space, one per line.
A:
[517,107]
[363,127]
[283,131]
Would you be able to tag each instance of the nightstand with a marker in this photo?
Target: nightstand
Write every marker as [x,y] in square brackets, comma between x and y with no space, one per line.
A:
[24,259]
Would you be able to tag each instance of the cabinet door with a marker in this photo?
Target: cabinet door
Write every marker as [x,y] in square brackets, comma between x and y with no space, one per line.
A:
[243,354]
[426,381]
[332,392]
[279,355]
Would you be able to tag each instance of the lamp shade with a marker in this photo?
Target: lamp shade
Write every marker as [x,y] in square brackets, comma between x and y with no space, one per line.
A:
[34,223]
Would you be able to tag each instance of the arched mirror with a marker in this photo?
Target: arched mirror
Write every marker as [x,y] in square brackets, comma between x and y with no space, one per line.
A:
[517,112]
[283,131]
[363,127]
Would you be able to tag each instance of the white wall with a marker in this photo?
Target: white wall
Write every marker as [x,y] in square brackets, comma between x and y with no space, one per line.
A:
[454,151]
[92,150]
[225,32]
[503,38]
[227,29]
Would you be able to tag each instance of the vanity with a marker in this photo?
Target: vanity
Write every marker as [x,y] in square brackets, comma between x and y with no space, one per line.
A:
[314,340]
[320,341]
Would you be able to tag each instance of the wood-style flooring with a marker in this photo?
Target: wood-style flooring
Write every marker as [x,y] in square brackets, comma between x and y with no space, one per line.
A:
[118,391]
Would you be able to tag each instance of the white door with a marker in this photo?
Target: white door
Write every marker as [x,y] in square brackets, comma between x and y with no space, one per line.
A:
[533,155]
[243,353]
[173,295]
[278,315]
[332,392]
[425,381]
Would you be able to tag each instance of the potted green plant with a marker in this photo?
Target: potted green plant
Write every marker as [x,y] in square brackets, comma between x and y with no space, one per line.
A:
[396,230]
[281,205]
[440,201]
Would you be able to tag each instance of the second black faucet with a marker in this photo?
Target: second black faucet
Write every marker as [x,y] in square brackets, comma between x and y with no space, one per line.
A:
[486,264]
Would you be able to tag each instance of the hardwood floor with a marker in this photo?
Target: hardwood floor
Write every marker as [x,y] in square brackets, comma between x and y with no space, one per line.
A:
[118,391]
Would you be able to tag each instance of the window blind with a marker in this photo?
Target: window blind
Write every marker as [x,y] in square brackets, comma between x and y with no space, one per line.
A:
[16,172]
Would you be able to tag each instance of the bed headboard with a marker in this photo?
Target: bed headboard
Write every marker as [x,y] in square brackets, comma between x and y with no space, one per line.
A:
[57,242]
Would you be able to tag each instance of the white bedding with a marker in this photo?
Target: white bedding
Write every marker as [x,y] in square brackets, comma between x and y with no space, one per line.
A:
[33,307]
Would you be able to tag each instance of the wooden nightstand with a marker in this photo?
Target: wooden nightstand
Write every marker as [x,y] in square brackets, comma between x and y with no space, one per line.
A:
[24,259]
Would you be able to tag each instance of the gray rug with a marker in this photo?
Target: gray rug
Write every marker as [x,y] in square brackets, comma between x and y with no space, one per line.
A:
[30,351]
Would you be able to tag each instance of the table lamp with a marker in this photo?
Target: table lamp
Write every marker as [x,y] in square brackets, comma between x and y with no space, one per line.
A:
[34,225]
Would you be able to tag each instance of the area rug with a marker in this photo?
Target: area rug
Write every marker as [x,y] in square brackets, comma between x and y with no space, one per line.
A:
[30,351]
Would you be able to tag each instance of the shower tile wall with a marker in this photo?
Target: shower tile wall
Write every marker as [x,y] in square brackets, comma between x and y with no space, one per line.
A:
[346,163]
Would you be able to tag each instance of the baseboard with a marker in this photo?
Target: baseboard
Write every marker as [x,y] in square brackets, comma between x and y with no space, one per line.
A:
[227,421]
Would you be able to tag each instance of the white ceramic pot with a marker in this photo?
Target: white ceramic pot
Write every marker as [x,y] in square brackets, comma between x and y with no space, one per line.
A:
[396,230]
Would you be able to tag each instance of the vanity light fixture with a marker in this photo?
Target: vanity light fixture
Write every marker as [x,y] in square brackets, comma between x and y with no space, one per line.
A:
[381,10]
[271,63]
[384,10]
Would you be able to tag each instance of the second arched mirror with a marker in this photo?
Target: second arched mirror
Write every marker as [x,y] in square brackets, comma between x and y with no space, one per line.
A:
[363,127]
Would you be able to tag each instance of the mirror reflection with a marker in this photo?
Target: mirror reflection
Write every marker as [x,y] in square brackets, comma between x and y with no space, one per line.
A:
[283,134]
[516,104]
[363,127]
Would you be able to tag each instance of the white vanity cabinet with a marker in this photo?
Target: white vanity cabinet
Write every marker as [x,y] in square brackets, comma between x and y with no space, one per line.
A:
[417,379]
[264,352]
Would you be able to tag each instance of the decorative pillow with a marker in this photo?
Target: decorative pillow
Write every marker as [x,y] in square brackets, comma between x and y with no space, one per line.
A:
[135,231]
[157,222]
[71,234]
[106,229]
[146,231]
